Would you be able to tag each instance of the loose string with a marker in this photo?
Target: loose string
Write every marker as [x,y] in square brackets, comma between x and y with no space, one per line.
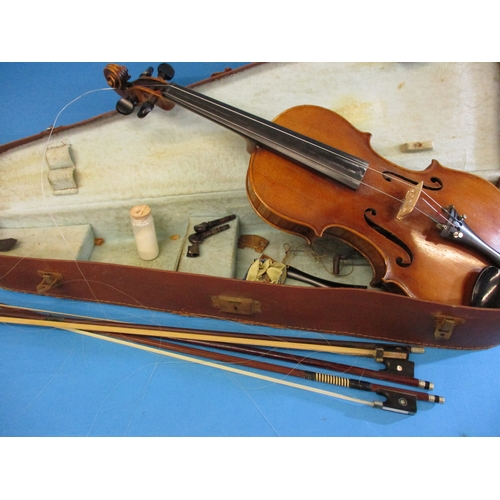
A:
[42,184]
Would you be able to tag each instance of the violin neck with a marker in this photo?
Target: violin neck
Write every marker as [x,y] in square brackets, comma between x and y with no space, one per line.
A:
[343,167]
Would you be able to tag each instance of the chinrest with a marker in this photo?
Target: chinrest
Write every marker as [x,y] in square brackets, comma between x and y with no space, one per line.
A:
[486,291]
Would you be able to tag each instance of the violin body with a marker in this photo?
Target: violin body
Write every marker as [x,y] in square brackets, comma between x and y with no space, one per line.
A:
[409,255]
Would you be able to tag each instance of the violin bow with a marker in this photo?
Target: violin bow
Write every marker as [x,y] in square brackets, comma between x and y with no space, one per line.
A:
[390,393]
[395,402]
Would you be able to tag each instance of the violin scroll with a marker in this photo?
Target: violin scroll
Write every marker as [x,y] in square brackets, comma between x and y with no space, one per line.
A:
[146,90]
[117,76]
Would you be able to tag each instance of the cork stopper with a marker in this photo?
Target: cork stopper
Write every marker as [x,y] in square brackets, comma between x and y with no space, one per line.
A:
[140,212]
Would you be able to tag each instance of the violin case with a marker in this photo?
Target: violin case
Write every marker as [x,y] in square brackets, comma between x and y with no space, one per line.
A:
[66,198]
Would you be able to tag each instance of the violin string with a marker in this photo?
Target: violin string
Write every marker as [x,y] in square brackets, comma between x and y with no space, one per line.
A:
[400,200]
[425,193]
[395,178]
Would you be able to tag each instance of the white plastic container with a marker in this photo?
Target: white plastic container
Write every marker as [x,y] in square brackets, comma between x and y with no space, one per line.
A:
[143,227]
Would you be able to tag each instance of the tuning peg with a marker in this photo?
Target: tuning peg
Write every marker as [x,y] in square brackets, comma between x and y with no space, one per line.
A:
[148,72]
[166,71]
[124,106]
[146,108]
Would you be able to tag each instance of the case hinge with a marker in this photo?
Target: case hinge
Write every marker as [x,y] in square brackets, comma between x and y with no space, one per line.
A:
[445,326]
[236,305]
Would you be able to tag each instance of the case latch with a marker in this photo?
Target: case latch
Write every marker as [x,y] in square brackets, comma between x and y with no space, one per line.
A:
[445,326]
[236,305]
[49,280]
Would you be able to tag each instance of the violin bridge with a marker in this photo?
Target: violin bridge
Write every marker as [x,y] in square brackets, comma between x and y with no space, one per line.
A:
[411,198]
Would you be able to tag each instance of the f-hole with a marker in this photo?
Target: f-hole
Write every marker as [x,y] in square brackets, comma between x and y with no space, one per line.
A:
[436,181]
[391,237]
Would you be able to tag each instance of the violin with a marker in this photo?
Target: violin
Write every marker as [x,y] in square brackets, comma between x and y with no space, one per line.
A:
[430,234]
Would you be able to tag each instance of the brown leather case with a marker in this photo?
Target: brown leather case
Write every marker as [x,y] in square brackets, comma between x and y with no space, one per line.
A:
[360,313]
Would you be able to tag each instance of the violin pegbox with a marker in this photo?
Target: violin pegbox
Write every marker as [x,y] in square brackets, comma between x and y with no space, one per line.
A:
[146,90]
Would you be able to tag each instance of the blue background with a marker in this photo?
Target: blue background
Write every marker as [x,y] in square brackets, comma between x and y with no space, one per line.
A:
[55,383]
